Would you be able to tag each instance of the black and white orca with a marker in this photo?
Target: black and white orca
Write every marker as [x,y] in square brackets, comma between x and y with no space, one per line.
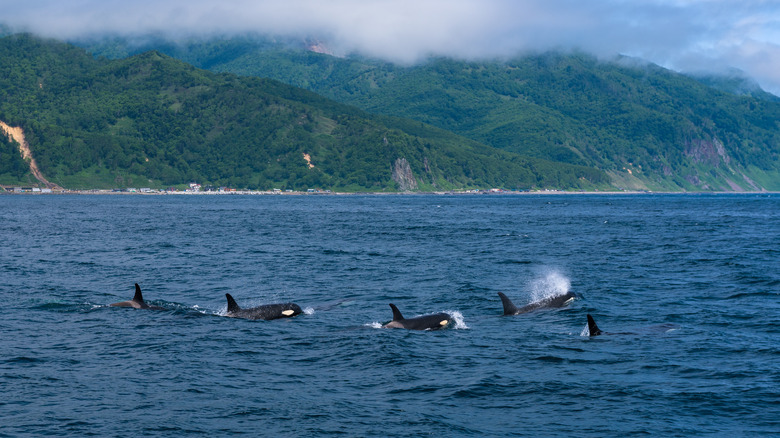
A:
[425,322]
[266,311]
[551,302]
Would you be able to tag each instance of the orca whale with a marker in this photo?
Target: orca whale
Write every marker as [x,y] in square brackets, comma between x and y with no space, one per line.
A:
[594,330]
[425,322]
[266,311]
[137,302]
[545,303]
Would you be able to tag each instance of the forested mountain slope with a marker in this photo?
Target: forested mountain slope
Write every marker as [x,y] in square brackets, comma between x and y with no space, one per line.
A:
[646,126]
[150,120]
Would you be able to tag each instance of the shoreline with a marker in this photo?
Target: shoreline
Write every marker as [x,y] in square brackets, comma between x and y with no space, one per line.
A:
[329,193]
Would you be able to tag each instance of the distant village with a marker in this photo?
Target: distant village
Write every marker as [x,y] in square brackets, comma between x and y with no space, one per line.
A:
[198,189]
[194,188]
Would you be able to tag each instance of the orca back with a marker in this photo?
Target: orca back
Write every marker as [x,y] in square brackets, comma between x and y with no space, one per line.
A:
[425,322]
[137,302]
[274,311]
[265,311]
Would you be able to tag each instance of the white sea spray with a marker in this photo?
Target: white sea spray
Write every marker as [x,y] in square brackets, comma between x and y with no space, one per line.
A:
[550,282]
[460,322]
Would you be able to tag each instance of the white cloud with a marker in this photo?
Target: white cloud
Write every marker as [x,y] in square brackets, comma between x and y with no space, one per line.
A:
[680,34]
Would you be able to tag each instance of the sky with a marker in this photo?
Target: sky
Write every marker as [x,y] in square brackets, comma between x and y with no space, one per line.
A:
[693,36]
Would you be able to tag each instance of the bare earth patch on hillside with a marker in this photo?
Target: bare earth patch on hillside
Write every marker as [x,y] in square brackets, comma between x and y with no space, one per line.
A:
[18,135]
[307,157]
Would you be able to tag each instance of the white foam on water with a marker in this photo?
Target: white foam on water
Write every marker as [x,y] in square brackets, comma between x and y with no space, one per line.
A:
[309,310]
[585,331]
[373,325]
[197,308]
[550,283]
[460,322]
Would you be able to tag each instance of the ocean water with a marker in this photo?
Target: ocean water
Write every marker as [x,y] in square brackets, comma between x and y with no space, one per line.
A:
[688,285]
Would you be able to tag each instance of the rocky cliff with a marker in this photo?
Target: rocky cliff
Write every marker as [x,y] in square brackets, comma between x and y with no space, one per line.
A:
[402,174]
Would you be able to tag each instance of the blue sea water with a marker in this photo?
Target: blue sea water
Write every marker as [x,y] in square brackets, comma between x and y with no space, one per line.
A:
[689,285]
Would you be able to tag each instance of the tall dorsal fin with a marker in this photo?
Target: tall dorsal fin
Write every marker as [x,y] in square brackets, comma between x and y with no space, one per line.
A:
[593,329]
[509,306]
[396,313]
[232,306]
[138,297]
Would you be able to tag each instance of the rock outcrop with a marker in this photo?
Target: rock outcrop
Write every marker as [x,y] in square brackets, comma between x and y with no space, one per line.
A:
[707,152]
[402,174]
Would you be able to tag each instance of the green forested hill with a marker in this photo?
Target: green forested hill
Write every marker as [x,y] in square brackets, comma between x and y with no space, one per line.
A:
[151,120]
[646,126]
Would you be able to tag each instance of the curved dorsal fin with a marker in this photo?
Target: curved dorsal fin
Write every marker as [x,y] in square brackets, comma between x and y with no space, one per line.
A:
[138,297]
[232,306]
[593,329]
[396,313]
[509,306]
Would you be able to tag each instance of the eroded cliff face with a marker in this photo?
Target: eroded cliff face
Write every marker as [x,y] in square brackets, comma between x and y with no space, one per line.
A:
[705,164]
[402,174]
[725,174]
[709,152]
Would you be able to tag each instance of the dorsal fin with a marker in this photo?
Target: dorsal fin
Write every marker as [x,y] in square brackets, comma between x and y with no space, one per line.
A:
[396,313]
[138,297]
[593,329]
[232,306]
[509,307]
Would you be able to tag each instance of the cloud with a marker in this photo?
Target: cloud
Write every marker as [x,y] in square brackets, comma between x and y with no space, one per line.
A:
[679,34]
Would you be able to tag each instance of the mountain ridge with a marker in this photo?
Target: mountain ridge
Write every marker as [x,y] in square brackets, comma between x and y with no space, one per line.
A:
[151,120]
[642,124]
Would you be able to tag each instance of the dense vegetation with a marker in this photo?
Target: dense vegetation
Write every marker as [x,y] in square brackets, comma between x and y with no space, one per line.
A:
[150,120]
[648,127]
[12,167]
